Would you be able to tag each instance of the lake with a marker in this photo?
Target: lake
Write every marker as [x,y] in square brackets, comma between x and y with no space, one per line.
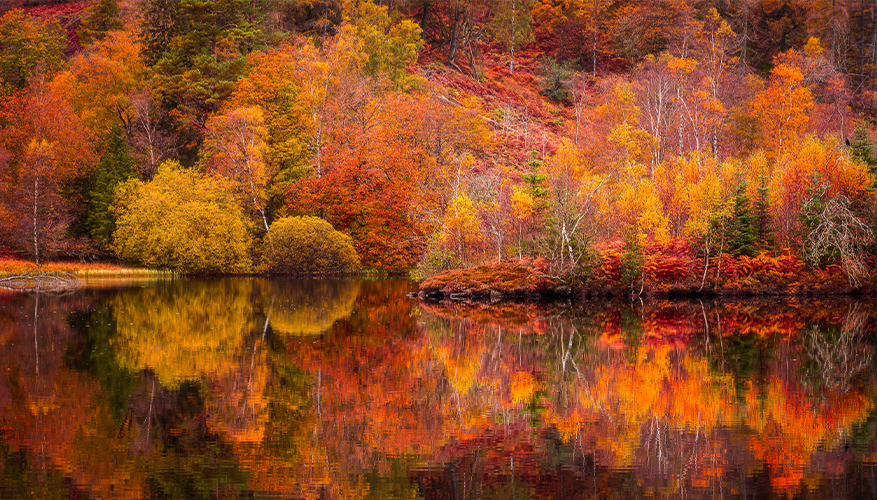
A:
[342,389]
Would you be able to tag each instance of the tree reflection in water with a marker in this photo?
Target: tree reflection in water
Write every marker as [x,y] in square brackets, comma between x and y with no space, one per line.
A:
[237,388]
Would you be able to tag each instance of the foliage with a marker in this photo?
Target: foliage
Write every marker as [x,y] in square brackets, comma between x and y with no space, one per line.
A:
[555,82]
[307,245]
[197,50]
[389,43]
[27,46]
[862,148]
[181,221]
[632,263]
[114,168]
[101,83]
[742,237]
[512,277]
[102,17]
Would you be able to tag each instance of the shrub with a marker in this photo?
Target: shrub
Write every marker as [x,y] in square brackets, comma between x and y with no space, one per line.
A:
[308,245]
[181,221]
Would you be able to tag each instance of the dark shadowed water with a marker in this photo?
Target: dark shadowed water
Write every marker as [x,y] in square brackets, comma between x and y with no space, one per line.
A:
[256,388]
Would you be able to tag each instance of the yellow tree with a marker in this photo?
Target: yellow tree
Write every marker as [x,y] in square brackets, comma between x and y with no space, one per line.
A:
[181,221]
[782,108]
[462,228]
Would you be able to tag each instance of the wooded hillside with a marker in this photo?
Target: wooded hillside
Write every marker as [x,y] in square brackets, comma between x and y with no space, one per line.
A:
[439,134]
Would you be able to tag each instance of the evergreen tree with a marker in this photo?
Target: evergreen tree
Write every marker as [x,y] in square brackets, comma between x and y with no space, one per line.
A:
[102,17]
[862,148]
[198,51]
[741,227]
[763,224]
[114,168]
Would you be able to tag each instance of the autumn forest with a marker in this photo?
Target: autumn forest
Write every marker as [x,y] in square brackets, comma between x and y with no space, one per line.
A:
[725,143]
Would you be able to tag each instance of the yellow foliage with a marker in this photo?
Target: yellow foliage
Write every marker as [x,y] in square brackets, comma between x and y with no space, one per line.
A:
[183,330]
[461,223]
[523,203]
[308,307]
[782,108]
[181,221]
[308,245]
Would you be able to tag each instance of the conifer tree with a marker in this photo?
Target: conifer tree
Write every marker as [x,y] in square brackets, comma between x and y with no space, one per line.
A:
[763,224]
[102,17]
[115,167]
[741,227]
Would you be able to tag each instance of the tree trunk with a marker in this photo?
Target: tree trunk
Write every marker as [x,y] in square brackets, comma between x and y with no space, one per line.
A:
[36,242]
[455,35]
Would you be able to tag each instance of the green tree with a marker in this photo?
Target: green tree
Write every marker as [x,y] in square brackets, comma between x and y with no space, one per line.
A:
[741,226]
[115,167]
[308,245]
[862,149]
[28,45]
[390,44]
[181,221]
[102,17]
[763,224]
[198,51]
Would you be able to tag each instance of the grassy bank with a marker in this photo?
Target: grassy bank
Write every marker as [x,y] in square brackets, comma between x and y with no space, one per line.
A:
[82,270]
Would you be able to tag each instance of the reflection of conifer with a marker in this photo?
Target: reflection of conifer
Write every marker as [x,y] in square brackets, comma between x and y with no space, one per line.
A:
[741,228]
[763,224]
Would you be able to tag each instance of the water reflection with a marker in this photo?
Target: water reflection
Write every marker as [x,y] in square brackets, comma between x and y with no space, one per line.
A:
[345,389]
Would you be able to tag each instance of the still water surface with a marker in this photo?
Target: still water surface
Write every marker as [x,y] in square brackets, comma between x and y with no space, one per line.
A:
[256,388]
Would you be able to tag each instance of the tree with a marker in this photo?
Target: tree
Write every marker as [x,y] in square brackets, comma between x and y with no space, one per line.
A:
[43,218]
[741,225]
[27,46]
[197,49]
[114,168]
[511,26]
[862,148]
[838,233]
[49,151]
[102,17]
[761,212]
[390,44]
[783,106]
[308,245]
[101,82]
[236,150]
[181,221]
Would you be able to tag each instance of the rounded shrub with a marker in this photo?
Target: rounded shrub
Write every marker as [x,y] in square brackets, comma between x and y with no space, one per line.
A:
[181,221]
[307,245]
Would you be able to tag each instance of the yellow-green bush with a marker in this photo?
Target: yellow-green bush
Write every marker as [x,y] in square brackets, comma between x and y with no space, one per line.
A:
[307,245]
[181,221]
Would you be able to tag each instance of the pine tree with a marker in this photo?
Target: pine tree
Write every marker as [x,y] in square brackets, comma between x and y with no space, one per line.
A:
[114,168]
[102,17]
[741,228]
[763,224]
[862,148]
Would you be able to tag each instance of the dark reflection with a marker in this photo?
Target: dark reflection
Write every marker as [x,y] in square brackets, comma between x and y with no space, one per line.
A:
[254,388]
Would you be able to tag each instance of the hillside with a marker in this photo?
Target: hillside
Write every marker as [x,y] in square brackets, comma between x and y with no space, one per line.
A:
[446,134]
